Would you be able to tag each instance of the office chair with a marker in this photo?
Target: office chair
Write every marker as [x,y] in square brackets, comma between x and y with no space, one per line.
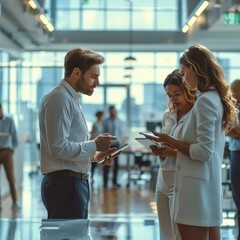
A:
[142,167]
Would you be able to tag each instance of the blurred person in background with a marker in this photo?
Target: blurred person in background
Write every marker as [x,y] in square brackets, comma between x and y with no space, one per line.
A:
[8,142]
[113,126]
[234,148]
[97,129]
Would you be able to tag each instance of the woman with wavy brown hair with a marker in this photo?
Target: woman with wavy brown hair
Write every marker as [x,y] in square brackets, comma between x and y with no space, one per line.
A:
[181,100]
[198,184]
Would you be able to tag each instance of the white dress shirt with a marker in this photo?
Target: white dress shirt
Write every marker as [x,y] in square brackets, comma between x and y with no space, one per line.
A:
[64,140]
[171,126]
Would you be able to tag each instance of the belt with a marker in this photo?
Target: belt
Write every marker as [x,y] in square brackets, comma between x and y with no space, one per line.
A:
[69,173]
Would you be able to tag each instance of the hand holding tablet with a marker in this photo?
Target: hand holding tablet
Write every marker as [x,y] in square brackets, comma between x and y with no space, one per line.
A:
[149,134]
[147,142]
[114,153]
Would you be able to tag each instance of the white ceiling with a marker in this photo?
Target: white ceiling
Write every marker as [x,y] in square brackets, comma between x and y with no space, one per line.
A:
[20,31]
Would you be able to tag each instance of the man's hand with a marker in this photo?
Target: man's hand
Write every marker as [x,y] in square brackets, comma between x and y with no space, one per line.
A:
[108,160]
[103,141]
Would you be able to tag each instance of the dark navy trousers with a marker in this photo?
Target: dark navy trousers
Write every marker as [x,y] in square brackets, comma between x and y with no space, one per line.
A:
[65,197]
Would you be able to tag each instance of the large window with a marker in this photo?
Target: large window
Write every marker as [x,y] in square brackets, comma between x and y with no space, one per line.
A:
[147,15]
[41,71]
[26,81]
[23,84]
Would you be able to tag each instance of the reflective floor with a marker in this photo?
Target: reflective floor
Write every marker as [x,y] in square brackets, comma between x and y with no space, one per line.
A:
[102,228]
[115,213]
[111,227]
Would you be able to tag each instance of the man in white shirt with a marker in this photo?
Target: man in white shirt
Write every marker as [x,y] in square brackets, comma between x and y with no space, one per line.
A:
[65,149]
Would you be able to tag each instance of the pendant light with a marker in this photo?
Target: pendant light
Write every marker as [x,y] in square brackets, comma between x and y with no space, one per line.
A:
[130,59]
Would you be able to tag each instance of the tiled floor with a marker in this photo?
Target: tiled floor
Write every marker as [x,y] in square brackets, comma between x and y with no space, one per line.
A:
[115,213]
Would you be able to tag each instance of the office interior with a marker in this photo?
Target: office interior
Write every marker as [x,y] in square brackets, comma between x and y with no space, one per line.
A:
[141,41]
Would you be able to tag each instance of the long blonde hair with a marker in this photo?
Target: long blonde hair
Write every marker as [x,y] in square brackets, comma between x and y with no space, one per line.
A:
[210,74]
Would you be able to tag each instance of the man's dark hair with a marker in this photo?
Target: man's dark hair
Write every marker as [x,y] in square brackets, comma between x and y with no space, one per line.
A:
[111,107]
[99,113]
[81,58]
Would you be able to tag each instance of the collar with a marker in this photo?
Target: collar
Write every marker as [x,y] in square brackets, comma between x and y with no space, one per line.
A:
[173,115]
[74,94]
[200,93]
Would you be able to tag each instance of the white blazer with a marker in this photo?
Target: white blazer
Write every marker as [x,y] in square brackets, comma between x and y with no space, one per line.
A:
[198,184]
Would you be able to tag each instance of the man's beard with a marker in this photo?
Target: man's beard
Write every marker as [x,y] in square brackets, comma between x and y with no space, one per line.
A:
[79,86]
[79,83]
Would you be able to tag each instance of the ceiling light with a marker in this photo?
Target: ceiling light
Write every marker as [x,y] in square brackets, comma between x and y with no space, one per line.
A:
[50,27]
[202,7]
[32,4]
[192,21]
[46,23]
[43,19]
[185,28]
[39,11]
[128,68]
[127,76]
[130,58]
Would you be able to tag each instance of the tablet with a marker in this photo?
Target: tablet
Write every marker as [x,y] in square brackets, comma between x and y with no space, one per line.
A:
[114,152]
[149,134]
[147,142]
